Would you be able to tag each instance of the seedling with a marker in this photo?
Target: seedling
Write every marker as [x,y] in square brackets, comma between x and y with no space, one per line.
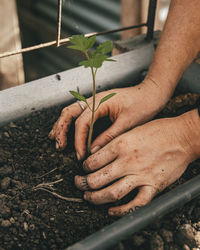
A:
[94,60]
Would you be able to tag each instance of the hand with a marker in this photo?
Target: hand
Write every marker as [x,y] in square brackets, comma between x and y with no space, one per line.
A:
[149,157]
[128,108]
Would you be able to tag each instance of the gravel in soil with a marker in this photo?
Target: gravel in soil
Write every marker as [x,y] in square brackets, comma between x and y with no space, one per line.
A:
[34,218]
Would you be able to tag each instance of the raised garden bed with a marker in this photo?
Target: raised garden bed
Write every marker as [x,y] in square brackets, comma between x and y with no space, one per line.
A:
[32,218]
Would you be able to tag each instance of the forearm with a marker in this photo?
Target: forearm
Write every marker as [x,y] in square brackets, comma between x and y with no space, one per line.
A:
[178,46]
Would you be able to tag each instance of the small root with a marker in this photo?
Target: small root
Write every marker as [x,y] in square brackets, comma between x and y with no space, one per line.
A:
[59,196]
[48,187]
[51,171]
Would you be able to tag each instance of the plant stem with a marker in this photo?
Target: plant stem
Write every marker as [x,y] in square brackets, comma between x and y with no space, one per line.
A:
[93,110]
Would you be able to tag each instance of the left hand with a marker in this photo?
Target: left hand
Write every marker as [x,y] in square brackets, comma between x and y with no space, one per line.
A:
[122,109]
[149,157]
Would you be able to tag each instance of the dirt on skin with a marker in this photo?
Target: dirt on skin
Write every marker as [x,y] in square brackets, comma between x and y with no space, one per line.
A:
[34,218]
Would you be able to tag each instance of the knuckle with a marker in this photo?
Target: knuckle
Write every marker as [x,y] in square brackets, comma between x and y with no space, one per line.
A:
[83,120]
[76,180]
[113,196]
[91,182]
[94,198]
[51,134]
[64,111]
[119,145]
[91,197]
[109,137]
[78,121]
[157,188]
[86,166]
[63,144]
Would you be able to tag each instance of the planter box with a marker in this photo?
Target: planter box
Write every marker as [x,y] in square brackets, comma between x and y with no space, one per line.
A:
[130,67]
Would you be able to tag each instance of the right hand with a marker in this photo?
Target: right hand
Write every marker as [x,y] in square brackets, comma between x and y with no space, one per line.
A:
[129,107]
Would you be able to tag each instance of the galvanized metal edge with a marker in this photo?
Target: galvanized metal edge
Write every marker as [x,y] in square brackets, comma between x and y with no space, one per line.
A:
[53,90]
[129,224]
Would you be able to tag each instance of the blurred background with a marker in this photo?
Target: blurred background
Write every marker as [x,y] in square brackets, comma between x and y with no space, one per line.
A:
[37,22]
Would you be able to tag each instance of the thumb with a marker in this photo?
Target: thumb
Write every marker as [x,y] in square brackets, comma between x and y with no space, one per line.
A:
[117,128]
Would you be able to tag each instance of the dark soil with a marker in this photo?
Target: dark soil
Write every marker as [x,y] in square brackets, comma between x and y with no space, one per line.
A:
[36,219]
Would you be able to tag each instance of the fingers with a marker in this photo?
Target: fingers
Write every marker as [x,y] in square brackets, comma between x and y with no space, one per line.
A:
[101,177]
[61,127]
[113,192]
[117,128]
[103,157]
[81,129]
[81,133]
[144,196]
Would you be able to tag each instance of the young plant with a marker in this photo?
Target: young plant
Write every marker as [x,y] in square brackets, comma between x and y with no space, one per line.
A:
[94,60]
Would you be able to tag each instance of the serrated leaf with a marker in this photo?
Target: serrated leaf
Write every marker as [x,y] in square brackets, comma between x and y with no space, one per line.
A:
[85,63]
[76,47]
[95,61]
[91,41]
[78,96]
[77,39]
[82,43]
[105,47]
[79,42]
[98,61]
[105,98]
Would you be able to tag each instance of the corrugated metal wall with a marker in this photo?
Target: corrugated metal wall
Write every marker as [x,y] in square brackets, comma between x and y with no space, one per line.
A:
[38,21]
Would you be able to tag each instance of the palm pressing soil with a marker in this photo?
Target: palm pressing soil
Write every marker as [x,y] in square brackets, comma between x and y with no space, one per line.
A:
[35,216]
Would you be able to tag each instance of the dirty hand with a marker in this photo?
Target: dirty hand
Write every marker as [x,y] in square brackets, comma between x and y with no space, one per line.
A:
[149,157]
[128,108]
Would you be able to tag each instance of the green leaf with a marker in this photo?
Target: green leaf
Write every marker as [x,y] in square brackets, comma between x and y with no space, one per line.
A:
[98,60]
[91,41]
[85,63]
[78,96]
[105,47]
[95,61]
[105,98]
[82,43]
[76,47]
[79,42]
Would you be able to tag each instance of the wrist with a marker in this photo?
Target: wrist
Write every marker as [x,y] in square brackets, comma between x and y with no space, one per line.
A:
[191,122]
[155,95]
[165,86]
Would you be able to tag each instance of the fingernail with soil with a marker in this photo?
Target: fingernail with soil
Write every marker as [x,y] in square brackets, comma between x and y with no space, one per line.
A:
[84,183]
[86,196]
[95,149]
[113,212]
[110,212]
[57,145]
[81,182]
[78,156]
[85,167]
[49,135]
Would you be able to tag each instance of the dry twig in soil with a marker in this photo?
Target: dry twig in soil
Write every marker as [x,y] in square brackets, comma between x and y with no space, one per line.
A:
[51,171]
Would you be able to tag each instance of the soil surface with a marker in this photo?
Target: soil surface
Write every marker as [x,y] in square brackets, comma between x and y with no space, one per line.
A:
[36,180]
